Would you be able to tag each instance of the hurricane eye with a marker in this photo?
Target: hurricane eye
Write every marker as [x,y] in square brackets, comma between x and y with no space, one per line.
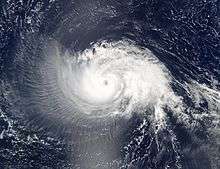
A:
[105,82]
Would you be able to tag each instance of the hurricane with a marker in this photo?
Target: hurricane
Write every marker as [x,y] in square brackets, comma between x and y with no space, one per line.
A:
[109,85]
[98,80]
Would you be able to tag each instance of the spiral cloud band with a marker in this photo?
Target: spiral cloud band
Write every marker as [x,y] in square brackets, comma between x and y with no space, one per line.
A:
[108,80]
[99,81]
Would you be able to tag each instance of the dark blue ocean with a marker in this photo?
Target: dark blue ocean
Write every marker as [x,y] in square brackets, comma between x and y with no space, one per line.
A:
[182,34]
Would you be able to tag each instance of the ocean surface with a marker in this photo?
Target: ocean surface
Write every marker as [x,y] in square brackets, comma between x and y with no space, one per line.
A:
[109,84]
